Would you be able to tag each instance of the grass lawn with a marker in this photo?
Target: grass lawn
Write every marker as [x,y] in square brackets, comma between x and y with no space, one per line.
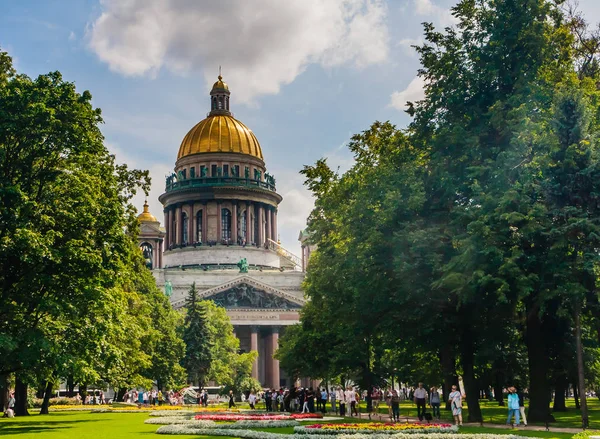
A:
[83,425]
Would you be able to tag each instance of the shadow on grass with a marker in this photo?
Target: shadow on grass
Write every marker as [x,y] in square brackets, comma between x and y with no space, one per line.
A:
[15,426]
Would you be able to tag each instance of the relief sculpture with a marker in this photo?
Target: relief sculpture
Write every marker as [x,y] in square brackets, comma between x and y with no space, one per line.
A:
[247,296]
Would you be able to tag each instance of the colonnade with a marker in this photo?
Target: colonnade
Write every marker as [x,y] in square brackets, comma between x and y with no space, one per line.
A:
[183,222]
[264,340]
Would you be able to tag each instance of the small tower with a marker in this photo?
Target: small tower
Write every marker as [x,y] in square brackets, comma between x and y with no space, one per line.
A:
[150,238]
[219,97]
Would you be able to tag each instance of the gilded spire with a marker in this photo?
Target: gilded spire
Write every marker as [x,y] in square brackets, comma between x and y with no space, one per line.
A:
[219,97]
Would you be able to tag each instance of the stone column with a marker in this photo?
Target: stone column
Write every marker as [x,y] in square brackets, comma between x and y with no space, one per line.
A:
[178,231]
[248,223]
[273,233]
[275,237]
[275,378]
[254,348]
[167,227]
[268,212]
[160,252]
[219,237]
[204,223]
[234,222]
[191,230]
[261,226]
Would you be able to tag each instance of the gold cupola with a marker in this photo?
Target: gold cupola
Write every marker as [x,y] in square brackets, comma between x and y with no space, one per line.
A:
[220,131]
[146,216]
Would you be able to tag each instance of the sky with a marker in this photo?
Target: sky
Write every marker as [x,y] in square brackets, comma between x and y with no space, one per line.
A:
[304,75]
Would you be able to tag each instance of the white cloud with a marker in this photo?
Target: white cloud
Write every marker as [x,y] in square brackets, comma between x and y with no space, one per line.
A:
[407,45]
[434,13]
[413,92]
[72,36]
[261,44]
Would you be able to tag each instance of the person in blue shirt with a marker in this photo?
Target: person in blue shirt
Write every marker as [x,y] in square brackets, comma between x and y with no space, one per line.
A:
[323,400]
[513,406]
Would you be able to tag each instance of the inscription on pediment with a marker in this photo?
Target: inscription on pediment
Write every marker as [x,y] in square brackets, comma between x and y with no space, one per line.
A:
[244,295]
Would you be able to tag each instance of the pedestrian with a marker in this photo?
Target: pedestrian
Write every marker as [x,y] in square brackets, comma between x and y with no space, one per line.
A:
[340,395]
[420,398]
[231,399]
[323,400]
[388,402]
[268,400]
[351,399]
[434,402]
[252,400]
[310,396]
[395,404]
[332,400]
[513,406]
[376,398]
[455,398]
[305,403]
[521,396]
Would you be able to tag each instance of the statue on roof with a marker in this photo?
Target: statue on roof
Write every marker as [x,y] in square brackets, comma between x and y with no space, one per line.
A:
[243,265]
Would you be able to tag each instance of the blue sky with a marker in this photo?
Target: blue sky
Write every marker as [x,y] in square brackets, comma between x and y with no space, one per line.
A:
[304,74]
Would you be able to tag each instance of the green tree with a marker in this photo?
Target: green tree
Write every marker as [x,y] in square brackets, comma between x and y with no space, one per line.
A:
[199,341]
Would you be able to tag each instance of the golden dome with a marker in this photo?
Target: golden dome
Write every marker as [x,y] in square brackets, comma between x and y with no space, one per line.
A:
[220,84]
[146,216]
[220,133]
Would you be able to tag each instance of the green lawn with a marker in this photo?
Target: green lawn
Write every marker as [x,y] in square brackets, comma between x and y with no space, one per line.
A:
[83,425]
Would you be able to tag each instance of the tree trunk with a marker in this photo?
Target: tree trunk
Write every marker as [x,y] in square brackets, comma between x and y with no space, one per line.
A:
[448,363]
[539,387]
[498,386]
[120,396]
[70,386]
[47,395]
[4,391]
[83,392]
[559,393]
[580,367]
[20,398]
[576,395]
[471,387]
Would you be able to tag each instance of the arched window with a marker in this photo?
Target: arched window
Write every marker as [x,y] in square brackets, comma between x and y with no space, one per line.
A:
[199,226]
[147,252]
[225,224]
[184,228]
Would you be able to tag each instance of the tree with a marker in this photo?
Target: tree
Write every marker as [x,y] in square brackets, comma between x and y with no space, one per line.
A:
[64,216]
[199,342]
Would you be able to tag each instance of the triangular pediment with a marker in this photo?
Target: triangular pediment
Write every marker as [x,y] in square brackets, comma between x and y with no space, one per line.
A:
[150,229]
[245,292]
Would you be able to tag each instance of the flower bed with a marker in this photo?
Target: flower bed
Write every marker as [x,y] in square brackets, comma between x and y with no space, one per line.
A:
[252,434]
[375,427]
[179,420]
[163,413]
[256,417]
[194,423]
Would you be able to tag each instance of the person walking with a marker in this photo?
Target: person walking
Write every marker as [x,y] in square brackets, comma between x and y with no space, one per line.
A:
[323,400]
[455,398]
[521,396]
[434,402]
[513,406]
[231,400]
[305,408]
[332,400]
[341,397]
[395,404]
[351,399]
[252,400]
[420,397]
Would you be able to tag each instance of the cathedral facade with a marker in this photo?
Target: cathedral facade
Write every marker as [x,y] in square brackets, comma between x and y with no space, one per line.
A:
[220,232]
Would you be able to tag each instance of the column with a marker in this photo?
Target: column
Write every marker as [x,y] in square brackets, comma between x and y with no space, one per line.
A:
[191,230]
[248,223]
[254,348]
[204,223]
[234,332]
[234,222]
[261,227]
[167,226]
[178,231]
[219,237]
[275,236]
[275,381]
[160,252]
[273,233]
[268,212]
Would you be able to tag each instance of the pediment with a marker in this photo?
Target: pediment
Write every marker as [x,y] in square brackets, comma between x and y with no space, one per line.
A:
[247,293]
[150,228]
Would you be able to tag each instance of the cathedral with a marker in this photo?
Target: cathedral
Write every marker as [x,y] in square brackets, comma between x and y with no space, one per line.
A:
[220,231]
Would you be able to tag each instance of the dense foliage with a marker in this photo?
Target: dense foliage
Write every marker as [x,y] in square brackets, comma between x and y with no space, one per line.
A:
[467,244]
[76,302]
